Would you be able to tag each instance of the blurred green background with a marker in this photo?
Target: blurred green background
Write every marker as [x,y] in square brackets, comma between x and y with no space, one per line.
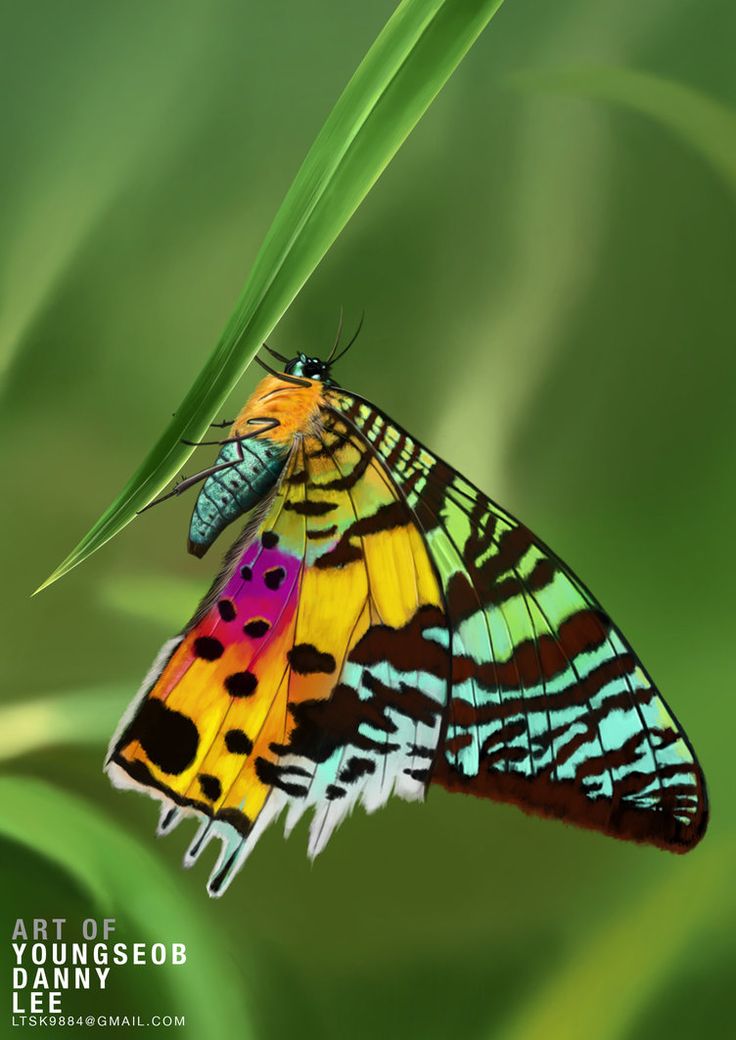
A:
[547,269]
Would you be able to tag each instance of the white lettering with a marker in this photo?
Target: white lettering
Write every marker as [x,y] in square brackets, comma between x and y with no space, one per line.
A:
[19,932]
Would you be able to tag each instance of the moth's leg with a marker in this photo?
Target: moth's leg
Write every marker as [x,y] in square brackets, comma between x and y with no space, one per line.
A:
[209,444]
[263,425]
[184,485]
[224,425]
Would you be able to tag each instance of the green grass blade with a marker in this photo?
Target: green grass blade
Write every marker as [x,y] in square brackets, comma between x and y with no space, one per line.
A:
[122,875]
[406,67]
[707,126]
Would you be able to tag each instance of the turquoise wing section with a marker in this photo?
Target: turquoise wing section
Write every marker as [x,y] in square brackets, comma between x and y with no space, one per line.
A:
[550,707]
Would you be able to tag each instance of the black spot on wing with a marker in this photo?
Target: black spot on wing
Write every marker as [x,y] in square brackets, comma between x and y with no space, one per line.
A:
[226,609]
[241,684]
[306,659]
[169,739]
[210,786]
[274,577]
[256,628]
[208,648]
[269,539]
[237,742]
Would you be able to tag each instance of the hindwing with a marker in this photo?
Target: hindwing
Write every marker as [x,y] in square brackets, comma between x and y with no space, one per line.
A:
[549,707]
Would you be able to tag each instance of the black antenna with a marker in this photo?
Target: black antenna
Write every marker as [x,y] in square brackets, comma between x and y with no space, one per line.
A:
[336,344]
[275,353]
[355,335]
[282,375]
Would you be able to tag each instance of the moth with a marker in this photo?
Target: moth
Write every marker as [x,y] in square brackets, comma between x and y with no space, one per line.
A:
[381,626]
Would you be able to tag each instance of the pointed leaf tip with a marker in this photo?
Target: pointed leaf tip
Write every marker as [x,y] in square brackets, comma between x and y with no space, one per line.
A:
[408,64]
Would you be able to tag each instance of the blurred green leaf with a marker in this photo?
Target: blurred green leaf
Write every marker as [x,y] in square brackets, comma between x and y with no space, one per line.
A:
[82,717]
[564,190]
[122,876]
[161,599]
[705,125]
[95,150]
[607,982]
[406,67]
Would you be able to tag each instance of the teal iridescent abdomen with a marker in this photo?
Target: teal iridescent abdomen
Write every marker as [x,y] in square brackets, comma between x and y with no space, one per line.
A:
[249,470]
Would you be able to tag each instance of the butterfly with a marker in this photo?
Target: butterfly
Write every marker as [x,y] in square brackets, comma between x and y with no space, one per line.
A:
[381,626]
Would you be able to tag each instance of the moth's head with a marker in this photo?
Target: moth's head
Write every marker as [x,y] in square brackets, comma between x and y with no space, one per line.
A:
[304,367]
[309,368]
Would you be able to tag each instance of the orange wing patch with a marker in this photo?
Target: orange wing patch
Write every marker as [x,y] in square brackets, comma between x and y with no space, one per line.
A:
[260,703]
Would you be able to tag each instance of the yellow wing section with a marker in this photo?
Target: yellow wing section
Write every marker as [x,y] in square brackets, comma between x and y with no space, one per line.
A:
[313,675]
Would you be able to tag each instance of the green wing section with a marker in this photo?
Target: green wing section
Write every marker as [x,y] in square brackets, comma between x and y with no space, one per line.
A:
[550,708]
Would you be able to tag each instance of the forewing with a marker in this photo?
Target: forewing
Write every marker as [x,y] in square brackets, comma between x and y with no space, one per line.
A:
[550,707]
[315,675]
